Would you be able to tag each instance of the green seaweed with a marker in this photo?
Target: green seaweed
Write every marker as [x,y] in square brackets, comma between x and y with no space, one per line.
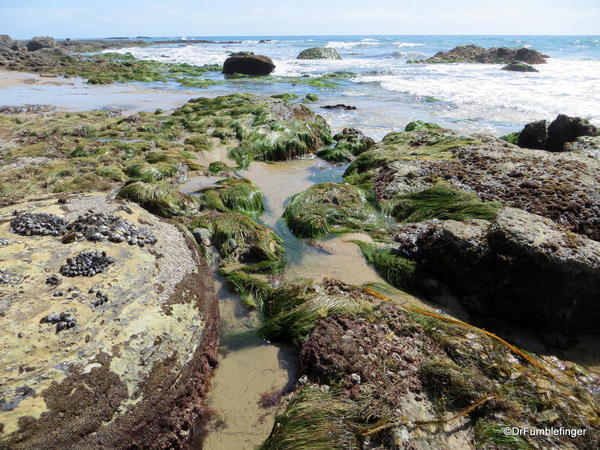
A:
[251,290]
[234,194]
[160,198]
[419,125]
[241,240]
[442,202]
[330,208]
[395,269]
[313,420]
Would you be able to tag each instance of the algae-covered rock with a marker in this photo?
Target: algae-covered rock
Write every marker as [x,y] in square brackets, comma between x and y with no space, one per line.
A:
[319,53]
[349,143]
[391,376]
[553,185]
[330,207]
[120,359]
[522,267]
[519,67]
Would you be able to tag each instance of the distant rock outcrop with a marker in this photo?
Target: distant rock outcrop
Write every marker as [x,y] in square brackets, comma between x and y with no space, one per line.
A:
[319,53]
[248,64]
[40,42]
[475,54]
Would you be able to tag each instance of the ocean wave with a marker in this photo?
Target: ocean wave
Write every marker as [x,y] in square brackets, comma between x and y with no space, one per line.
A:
[485,91]
[408,44]
[345,44]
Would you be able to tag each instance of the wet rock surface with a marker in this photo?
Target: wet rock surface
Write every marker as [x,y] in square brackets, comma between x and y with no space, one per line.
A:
[522,267]
[519,67]
[118,360]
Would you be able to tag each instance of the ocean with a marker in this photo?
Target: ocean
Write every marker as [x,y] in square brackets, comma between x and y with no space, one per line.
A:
[388,92]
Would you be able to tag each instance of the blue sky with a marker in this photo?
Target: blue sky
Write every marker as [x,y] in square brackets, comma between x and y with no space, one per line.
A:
[88,18]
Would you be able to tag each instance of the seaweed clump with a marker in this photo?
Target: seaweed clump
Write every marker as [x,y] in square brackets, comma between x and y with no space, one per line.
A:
[442,202]
[161,198]
[330,208]
[234,195]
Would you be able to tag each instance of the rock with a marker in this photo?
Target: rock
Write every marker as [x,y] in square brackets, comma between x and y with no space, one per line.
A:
[137,356]
[319,53]
[564,187]
[534,135]
[567,129]
[519,67]
[522,267]
[40,42]
[203,236]
[475,54]
[553,137]
[340,107]
[248,65]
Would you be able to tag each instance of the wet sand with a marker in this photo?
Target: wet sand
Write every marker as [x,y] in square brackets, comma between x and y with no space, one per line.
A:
[74,94]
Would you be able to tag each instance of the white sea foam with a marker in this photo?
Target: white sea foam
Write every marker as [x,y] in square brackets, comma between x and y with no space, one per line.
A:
[478,90]
[407,44]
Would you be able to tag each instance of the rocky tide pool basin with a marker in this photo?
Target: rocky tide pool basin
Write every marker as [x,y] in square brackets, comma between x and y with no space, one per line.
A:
[117,358]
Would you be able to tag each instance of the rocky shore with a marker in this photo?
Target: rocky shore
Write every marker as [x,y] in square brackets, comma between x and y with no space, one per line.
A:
[107,305]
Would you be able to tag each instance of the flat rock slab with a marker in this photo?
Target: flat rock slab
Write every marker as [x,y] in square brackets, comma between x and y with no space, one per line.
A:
[133,370]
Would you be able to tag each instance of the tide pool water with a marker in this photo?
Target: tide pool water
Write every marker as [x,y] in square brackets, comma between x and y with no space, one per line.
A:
[389,92]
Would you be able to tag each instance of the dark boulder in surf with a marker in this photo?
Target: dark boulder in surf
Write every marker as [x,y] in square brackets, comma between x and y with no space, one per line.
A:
[475,54]
[248,64]
[553,137]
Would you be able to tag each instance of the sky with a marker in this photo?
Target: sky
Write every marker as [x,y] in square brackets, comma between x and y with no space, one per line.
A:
[24,19]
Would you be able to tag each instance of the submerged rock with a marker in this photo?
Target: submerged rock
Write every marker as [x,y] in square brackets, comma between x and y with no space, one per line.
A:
[248,64]
[122,359]
[319,53]
[519,67]
[340,107]
[474,54]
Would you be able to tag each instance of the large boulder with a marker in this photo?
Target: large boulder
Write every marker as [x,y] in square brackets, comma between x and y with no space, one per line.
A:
[248,64]
[553,137]
[522,267]
[105,343]
[564,187]
[534,135]
[40,42]
[319,53]
[474,54]
[567,129]
[519,67]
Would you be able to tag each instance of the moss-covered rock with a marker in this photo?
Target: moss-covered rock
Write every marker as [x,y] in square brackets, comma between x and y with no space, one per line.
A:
[519,67]
[319,53]
[234,194]
[397,378]
[349,143]
[240,240]
[330,208]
